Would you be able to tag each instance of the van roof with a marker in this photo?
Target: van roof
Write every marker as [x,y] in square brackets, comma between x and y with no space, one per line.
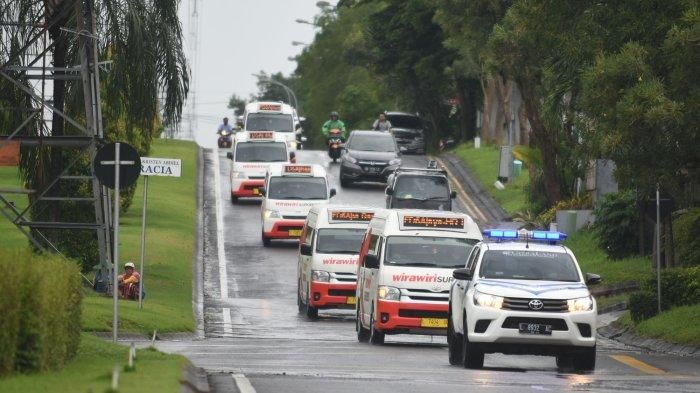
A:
[402,220]
[259,136]
[298,170]
[269,107]
[342,214]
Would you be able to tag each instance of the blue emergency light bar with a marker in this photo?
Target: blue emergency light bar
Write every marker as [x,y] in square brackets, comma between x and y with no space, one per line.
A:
[512,234]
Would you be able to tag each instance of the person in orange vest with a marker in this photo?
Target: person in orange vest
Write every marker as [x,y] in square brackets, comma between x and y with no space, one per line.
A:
[129,282]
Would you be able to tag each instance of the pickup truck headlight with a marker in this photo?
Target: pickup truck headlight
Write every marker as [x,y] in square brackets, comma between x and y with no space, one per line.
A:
[580,304]
[271,214]
[389,293]
[238,175]
[318,275]
[486,300]
[395,161]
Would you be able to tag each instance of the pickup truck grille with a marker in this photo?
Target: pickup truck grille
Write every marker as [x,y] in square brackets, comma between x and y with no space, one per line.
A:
[521,304]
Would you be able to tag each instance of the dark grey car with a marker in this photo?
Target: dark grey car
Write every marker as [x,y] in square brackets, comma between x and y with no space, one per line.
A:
[368,156]
[408,130]
[419,188]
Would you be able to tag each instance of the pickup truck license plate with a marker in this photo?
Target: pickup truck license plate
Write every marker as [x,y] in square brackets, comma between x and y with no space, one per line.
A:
[295,232]
[433,323]
[535,328]
[351,300]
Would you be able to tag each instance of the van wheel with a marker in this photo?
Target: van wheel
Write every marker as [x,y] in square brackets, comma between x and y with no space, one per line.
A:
[311,312]
[300,305]
[375,336]
[472,356]
[265,241]
[454,344]
[585,360]
[362,333]
[234,199]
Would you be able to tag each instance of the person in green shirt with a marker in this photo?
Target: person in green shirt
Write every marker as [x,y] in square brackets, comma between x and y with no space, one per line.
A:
[334,122]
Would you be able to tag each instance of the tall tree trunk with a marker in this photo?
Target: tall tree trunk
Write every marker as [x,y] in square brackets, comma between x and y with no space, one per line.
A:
[468,93]
[545,141]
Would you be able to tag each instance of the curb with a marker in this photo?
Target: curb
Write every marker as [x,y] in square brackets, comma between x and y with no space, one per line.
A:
[627,337]
[194,380]
[484,202]
[198,257]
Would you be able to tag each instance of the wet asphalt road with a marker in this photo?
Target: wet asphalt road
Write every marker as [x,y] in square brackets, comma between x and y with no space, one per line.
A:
[256,341]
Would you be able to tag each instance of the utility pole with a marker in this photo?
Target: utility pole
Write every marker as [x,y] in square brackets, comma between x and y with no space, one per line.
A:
[193,27]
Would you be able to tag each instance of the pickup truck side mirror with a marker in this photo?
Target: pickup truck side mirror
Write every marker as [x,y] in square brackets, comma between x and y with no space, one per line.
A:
[371,261]
[229,155]
[333,192]
[462,274]
[389,191]
[453,194]
[305,249]
[592,279]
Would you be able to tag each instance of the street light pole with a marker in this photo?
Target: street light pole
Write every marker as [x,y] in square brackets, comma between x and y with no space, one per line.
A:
[290,92]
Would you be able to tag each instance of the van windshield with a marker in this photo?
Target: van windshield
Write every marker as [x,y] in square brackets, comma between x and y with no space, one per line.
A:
[293,187]
[339,240]
[261,152]
[422,188]
[269,122]
[428,251]
[528,265]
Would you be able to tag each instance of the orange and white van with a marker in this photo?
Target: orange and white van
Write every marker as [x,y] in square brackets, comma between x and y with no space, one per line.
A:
[328,251]
[405,270]
[272,116]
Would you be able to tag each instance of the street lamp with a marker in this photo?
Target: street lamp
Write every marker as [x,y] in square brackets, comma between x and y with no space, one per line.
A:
[322,4]
[299,43]
[290,92]
[305,22]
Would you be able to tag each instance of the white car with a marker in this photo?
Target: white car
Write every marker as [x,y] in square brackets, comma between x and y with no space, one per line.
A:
[405,270]
[522,293]
[251,155]
[290,191]
[328,250]
[272,116]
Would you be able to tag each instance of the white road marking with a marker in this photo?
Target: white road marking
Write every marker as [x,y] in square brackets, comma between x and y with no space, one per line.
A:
[243,384]
[221,249]
[228,327]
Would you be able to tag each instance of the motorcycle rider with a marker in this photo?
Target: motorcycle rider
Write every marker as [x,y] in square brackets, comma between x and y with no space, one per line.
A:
[224,126]
[334,122]
[381,124]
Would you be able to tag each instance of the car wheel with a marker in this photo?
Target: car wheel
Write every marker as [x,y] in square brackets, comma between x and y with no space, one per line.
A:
[343,181]
[454,344]
[471,355]
[362,333]
[375,336]
[234,199]
[585,360]
[265,241]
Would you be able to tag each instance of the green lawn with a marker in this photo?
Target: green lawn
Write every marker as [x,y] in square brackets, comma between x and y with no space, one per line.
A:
[679,325]
[483,163]
[11,236]
[91,371]
[170,239]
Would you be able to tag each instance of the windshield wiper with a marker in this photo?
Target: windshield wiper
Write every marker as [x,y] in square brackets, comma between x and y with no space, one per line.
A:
[339,251]
[436,198]
[410,199]
[413,264]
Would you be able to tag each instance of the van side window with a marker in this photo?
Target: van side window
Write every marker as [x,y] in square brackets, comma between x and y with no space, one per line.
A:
[473,257]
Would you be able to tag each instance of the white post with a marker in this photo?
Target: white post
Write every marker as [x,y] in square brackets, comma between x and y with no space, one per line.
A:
[143,238]
[115,283]
[658,249]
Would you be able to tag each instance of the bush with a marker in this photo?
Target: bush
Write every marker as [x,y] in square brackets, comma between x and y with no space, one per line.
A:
[40,302]
[686,238]
[679,287]
[616,225]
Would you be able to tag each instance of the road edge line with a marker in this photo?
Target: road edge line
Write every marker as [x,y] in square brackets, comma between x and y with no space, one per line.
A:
[243,384]
[220,248]
[466,200]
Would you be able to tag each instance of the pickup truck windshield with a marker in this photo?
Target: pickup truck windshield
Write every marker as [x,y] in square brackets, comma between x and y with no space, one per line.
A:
[261,152]
[528,265]
[269,122]
[339,240]
[427,251]
[288,187]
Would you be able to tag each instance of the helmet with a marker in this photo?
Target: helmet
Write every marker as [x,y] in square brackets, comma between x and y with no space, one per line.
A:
[129,264]
[335,113]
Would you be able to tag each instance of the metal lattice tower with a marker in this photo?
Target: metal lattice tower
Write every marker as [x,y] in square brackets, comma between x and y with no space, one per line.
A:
[34,37]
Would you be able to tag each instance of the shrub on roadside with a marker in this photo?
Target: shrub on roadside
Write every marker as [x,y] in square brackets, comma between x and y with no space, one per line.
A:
[686,238]
[40,303]
[616,226]
[679,287]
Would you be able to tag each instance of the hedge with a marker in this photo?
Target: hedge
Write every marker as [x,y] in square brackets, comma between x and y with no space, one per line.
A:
[40,299]
[686,237]
[679,287]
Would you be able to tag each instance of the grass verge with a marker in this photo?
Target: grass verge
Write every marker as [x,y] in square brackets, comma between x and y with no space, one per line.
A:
[91,371]
[170,239]
[11,236]
[483,163]
[680,325]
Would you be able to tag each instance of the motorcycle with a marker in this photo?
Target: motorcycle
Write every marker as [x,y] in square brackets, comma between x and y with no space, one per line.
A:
[335,140]
[224,139]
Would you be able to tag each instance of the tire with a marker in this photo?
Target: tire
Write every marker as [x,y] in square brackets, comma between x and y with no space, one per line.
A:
[335,160]
[300,305]
[311,312]
[362,333]
[454,344]
[585,360]
[265,241]
[375,336]
[234,199]
[344,183]
[472,357]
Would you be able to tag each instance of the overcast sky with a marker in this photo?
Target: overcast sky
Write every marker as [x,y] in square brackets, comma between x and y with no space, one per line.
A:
[236,39]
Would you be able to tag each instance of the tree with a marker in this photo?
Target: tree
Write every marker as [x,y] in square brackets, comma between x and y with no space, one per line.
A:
[237,104]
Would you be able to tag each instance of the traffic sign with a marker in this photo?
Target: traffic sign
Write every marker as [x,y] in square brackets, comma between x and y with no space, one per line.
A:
[151,166]
[129,165]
